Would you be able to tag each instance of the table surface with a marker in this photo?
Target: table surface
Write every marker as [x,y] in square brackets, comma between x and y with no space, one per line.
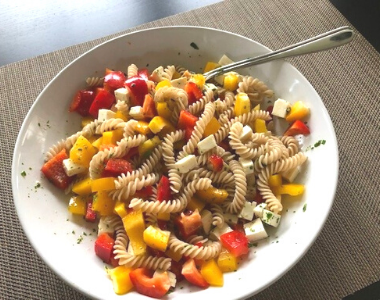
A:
[32,28]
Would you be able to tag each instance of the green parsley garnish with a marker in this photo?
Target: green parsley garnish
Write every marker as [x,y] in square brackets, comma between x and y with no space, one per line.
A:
[304,207]
[23,173]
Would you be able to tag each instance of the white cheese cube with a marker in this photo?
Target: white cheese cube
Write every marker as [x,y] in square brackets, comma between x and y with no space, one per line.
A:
[179,82]
[122,94]
[247,211]
[105,225]
[171,275]
[280,108]
[157,74]
[291,174]
[71,168]
[105,114]
[136,112]
[218,231]
[206,217]
[225,60]
[270,218]
[258,210]
[247,165]
[255,230]
[220,79]
[231,219]
[186,164]
[206,144]
[246,134]
[301,139]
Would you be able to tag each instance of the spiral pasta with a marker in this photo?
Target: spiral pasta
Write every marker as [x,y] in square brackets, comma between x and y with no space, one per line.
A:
[255,89]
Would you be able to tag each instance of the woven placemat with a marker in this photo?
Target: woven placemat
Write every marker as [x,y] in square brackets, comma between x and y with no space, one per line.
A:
[345,256]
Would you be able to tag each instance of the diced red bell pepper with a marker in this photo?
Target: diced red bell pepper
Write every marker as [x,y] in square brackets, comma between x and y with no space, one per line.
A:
[145,192]
[258,198]
[149,108]
[143,73]
[189,222]
[103,99]
[188,133]
[54,171]
[225,145]
[104,247]
[116,166]
[194,93]
[239,227]
[145,284]
[216,162]
[114,80]
[90,213]
[106,146]
[235,242]
[81,102]
[270,109]
[163,189]
[162,224]
[108,71]
[298,127]
[138,88]
[192,275]
[176,268]
[131,153]
[186,120]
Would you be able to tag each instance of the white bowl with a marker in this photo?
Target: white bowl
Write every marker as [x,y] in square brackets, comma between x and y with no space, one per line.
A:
[43,211]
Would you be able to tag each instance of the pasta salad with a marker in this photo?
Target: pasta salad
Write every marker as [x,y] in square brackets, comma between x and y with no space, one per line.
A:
[181,175]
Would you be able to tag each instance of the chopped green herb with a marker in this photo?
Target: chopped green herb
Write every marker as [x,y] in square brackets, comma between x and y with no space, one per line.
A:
[80,239]
[304,207]
[73,232]
[23,173]
[250,245]
[194,45]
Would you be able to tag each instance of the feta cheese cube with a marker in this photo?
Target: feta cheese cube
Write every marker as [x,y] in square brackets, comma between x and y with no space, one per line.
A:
[270,218]
[179,82]
[105,114]
[171,275]
[247,211]
[105,226]
[206,144]
[231,219]
[258,210]
[280,108]
[255,230]
[206,217]
[122,94]
[136,112]
[225,60]
[71,168]
[291,174]
[247,165]
[246,134]
[186,164]
[218,231]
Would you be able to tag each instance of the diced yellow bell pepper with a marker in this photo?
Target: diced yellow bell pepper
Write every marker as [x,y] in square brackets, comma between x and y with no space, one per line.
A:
[146,148]
[134,226]
[275,181]
[298,111]
[242,104]
[156,238]
[120,209]
[211,273]
[231,81]
[227,262]
[260,126]
[163,110]
[210,65]
[112,137]
[83,187]
[103,184]
[292,189]
[163,83]
[86,120]
[163,216]
[98,142]
[142,127]
[121,281]
[213,195]
[257,107]
[78,205]
[199,80]
[176,75]
[120,115]
[159,125]
[82,152]
[194,203]
[103,204]
[212,127]
[174,255]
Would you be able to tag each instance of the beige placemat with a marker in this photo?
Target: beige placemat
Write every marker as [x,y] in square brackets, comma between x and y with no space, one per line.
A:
[346,255]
